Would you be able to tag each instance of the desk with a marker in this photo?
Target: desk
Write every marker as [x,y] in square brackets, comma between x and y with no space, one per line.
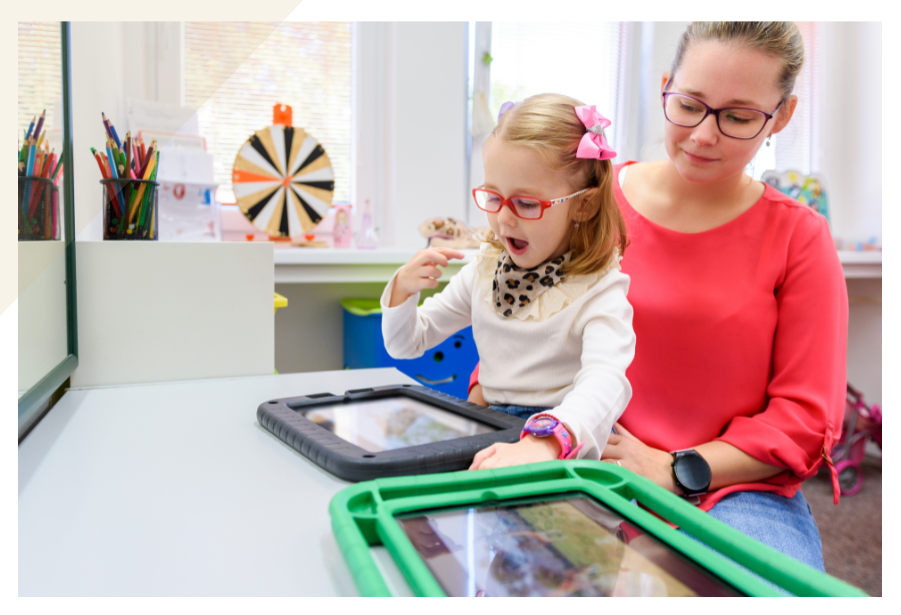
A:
[174,489]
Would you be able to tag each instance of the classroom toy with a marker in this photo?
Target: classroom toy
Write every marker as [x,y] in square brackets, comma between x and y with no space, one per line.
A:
[283,179]
[445,368]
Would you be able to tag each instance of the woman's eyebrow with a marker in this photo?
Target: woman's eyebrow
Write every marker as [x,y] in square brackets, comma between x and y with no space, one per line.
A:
[734,101]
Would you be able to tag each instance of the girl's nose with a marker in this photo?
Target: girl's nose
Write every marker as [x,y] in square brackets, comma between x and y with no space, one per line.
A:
[506,217]
[707,132]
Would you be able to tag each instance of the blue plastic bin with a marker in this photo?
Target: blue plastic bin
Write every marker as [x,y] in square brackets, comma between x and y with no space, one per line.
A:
[445,367]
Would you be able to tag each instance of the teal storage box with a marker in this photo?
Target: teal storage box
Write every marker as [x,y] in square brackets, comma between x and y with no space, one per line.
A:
[445,368]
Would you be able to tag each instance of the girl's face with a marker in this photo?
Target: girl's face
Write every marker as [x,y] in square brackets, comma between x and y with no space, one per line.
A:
[723,75]
[515,170]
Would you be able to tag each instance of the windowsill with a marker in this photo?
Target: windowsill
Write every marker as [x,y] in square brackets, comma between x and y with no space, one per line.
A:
[309,265]
[335,265]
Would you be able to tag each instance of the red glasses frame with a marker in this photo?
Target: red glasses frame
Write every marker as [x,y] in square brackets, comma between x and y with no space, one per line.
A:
[509,202]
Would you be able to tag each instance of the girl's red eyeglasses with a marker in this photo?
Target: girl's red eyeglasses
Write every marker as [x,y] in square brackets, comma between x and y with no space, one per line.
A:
[525,207]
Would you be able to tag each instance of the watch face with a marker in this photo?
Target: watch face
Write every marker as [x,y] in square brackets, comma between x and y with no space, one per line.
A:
[542,426]
[693,472]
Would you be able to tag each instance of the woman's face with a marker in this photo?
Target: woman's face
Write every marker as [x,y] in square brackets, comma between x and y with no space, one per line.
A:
[723,75]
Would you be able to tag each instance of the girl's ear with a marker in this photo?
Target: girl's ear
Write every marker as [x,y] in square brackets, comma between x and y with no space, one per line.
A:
[664,82]
[584,209]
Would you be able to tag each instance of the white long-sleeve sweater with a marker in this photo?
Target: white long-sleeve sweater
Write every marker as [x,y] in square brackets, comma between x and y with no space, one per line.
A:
[573,361]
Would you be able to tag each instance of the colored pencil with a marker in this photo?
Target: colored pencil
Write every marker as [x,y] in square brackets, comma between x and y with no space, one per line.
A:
[30,128]
[37,129]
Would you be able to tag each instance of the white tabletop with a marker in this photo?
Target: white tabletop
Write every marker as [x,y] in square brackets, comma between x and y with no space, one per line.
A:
[174,489]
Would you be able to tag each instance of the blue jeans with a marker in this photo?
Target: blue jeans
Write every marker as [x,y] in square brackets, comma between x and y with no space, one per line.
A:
[785,524]
[522,412]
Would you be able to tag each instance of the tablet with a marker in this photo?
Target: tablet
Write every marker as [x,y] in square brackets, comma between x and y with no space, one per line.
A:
[557,528]
[565,545]
[387,431]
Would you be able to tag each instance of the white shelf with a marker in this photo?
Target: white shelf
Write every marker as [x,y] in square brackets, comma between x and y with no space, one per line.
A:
[312,265]
[861,264]
[318,265]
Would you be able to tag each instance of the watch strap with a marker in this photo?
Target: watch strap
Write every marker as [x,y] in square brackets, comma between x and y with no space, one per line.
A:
[560,433]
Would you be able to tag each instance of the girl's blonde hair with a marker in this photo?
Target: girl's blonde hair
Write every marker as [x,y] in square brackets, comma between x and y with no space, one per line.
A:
[781,39]
[548,124]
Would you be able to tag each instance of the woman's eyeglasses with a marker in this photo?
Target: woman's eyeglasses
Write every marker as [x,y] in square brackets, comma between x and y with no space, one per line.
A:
[525,207]
[735,122]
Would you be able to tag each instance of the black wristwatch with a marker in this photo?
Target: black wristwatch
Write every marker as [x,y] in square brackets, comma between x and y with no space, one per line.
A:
[691,473]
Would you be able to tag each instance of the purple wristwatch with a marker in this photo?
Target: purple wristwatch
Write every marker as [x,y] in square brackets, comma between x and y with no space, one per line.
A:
[544,425]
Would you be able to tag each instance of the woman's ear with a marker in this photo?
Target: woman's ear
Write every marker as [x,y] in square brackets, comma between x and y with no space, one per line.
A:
[784,115]
[664,82]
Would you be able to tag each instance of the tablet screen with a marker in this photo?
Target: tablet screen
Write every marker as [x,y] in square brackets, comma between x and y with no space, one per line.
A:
[393,422]
[566,546]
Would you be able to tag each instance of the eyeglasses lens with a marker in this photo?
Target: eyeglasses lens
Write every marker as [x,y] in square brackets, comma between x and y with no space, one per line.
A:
[738,123]
[527,208]
[524,207]
[487,201]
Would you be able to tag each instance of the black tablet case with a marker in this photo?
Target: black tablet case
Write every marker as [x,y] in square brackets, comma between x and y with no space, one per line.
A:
[286,420]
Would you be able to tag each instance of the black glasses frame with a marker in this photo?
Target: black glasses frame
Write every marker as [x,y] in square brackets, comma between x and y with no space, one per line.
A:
[716,113]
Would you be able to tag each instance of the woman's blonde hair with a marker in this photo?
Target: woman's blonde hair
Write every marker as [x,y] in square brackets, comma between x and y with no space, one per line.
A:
[548,124]
[781,39]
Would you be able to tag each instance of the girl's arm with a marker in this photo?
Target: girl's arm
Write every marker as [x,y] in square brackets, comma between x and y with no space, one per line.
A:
[600,390]
[408,332]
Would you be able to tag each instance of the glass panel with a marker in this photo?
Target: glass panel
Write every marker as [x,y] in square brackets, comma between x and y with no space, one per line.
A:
[43,341]
[570,545]
[396,422]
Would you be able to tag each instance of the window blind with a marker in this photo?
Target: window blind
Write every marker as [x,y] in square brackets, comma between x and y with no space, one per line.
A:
[39,72]
[306,65]
[796,146]
[582,60]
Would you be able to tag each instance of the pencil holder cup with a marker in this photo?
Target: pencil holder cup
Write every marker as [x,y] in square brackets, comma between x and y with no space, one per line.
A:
[38,207]
[130,209]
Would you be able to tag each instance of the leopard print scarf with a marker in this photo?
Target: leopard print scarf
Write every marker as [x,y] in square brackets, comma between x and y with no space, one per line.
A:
[515,288]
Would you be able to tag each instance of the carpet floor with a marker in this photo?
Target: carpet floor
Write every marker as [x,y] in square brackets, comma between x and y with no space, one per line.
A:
[852,531]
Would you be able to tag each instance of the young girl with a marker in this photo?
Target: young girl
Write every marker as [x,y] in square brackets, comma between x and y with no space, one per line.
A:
[545,295]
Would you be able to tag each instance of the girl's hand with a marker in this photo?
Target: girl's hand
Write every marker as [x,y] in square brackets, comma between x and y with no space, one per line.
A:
[476,397]
[528,450]
[420,273]
[632,454]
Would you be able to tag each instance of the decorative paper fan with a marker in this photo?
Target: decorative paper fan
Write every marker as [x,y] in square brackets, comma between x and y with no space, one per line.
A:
[283,181]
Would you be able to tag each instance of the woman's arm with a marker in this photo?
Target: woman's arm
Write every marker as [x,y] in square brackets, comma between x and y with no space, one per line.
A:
[806,392]
[728,465]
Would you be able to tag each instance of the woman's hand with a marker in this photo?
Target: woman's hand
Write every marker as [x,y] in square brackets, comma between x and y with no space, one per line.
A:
[528,450]
[634,455]
[420,273]
[476,397]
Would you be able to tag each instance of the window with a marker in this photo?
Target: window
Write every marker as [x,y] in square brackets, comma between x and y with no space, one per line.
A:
[581,60]
[515,60]
[796,147]
[306,65]
[40,72]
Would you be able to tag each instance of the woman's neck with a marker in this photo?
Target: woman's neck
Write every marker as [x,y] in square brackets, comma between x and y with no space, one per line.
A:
[728,190]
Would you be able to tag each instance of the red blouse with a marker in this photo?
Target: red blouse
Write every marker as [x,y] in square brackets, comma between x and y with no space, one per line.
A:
[741,336]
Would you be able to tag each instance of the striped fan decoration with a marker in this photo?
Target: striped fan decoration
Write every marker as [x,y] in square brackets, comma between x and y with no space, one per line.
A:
[283,181]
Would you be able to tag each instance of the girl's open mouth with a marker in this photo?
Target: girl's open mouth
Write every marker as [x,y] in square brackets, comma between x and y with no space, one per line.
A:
[517,246]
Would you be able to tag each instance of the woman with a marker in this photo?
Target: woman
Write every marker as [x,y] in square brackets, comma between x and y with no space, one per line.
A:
[740,302]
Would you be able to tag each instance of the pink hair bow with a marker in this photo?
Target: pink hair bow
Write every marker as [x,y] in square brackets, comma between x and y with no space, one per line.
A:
[594,143]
